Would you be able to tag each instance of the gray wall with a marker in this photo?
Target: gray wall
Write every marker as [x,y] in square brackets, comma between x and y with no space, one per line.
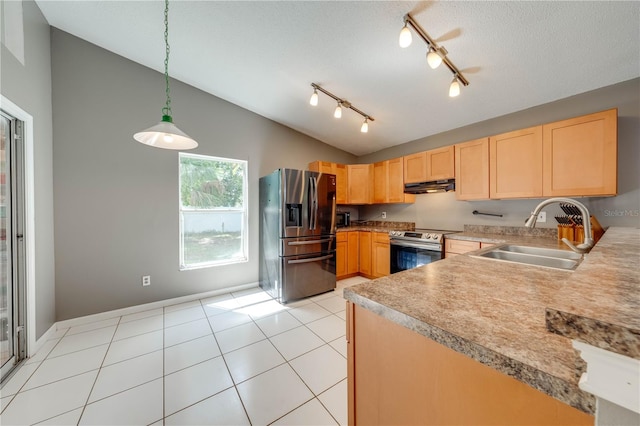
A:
[29,87]
[443,211]
[116,200]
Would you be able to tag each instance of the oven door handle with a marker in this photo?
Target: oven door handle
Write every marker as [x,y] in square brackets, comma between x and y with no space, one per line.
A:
[415,245]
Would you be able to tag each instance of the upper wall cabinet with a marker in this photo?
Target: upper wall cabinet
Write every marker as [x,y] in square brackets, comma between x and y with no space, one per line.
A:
[580,155]
[340,170]
[515,164]
[429,165]
[388,185]
[360,183]
[472,170]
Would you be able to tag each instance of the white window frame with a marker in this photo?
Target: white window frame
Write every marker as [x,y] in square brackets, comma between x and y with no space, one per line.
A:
[244,209]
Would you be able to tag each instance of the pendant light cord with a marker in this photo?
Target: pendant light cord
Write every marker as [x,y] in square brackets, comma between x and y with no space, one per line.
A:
[167,109]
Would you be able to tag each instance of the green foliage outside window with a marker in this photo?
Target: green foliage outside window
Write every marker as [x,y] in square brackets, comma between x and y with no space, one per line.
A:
[207,184]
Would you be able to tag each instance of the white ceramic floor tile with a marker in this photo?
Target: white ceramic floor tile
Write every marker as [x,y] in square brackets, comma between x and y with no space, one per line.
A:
[278,323]
[92,326]
[262,309]
[4,401]
[333,304]
[141,405]
[48,401]
[138,327]
[179,306]
[219,304]
[185,332]
[321,368]
[237,337]
[18,379]
[252,360]
[141,315]
[190,353]
[294,343]
[228,320]
[127,374]
[298,303]
[44,350]
[335,400]
[223,408]
[271,395]
[131,347]
[193,384]
[311,413]
[340,345]
[84,340]
[323,296]
[251,296]
[69,418]
[58,333]
[342,315]
[183,316]
[328,328]
[62,367]
[310,312]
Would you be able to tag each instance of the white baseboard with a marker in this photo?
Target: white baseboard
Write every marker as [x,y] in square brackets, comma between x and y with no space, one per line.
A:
[35,345]
[73,322]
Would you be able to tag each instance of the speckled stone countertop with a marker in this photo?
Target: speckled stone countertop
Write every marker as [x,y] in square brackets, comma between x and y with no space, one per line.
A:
[497,312]
[378,226]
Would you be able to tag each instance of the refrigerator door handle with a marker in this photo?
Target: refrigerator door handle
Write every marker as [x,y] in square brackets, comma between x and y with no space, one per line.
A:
[313,259]
[313,203]
[302,243]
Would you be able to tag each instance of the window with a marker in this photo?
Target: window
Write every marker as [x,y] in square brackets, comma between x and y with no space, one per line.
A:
[213,211]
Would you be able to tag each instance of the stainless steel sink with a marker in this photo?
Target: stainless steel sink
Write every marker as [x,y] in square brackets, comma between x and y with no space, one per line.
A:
[534,256]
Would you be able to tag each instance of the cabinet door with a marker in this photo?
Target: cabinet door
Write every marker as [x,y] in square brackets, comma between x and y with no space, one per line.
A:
[581,155]
[415,167]
[472,170]
[380,254]
[342,183]
[395,183]
[341,254]
[353,252]
[380,182]
[440,163]
[515,164]
[322,167]
[360,187]
[365,253]
[453,247]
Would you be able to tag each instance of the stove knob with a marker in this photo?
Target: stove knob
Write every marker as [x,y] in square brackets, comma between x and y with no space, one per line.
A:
[429,236]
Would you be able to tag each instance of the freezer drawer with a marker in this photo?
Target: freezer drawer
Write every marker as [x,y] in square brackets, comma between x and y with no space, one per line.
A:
[307,275]
[307,245]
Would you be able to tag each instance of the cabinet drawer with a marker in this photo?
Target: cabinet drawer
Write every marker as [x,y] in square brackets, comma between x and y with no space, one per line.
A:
[341,237]
[459,246]
[381,237]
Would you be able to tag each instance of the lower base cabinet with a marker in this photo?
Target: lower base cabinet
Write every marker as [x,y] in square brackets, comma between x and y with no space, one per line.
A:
[363,253]
[347,254]
[398,377]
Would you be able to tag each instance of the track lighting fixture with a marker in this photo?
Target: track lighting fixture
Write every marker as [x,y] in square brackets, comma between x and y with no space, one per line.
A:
[342,103]
[314,98]
[435,55]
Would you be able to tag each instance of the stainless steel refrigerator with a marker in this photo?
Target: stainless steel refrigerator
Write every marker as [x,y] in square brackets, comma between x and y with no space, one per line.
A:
[297,234]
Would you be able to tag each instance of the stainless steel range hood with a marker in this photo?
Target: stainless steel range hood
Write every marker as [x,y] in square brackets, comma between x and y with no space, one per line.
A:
[432,186]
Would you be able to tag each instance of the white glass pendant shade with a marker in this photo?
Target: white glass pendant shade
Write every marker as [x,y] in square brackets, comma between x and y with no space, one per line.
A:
[434,59]
[365,126]
[405,37]
[314,98]
[338,111]
[165,135]
[454,88]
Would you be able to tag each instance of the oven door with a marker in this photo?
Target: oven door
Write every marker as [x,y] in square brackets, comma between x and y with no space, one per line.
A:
[407,255]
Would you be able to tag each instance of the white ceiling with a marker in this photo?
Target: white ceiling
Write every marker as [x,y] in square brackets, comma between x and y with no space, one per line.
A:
[263,56]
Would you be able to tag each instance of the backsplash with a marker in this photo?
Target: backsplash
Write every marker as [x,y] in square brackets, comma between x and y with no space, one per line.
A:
[405,226]
[511,230]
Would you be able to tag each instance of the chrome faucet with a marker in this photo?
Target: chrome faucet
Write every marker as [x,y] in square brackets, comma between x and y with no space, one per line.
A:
[588,242]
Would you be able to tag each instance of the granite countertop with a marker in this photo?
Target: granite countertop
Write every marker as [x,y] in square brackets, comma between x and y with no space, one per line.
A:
[500,313]
[378,226]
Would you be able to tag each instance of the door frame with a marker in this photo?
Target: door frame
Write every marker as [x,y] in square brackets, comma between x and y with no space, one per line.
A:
[29,216]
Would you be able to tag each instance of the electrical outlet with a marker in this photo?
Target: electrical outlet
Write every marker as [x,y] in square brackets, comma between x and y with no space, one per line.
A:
[146,280]
[542,217]
[384,215]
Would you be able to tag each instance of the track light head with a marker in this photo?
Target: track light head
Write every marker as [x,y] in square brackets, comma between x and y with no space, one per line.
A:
[365,125]
[433,58]
[405,36]
[338,111]
[314,98]
[454,88]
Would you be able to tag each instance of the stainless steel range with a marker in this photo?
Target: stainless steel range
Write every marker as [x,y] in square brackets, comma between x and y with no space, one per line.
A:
[410,249]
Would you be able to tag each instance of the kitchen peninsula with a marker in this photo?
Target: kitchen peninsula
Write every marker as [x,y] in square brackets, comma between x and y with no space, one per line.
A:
[466,340]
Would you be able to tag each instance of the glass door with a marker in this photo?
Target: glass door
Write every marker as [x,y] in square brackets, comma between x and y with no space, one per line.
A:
[11,315]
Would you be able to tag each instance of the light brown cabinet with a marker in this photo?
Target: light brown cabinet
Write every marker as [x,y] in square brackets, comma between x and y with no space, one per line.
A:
[397,376]
[581,155]
[456,247]
[340,170]
[360,185]
[435,164]
[388,183]
[515,164]
[347,254]
[472,170]
[341,255]
[380,254]
[365,253]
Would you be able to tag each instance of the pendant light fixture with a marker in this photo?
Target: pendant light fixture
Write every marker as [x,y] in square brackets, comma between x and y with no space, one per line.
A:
[165,134]
[405,37]
[342,103]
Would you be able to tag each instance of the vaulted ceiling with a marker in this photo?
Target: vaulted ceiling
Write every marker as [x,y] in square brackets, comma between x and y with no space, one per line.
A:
[263,56]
